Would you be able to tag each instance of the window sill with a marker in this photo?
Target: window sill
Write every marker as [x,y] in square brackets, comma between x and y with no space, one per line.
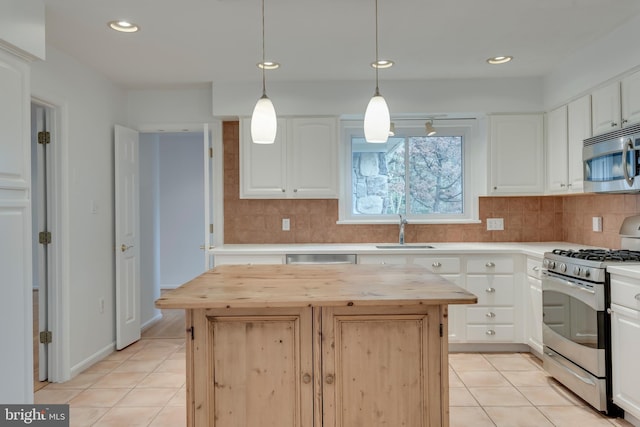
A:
[410,221]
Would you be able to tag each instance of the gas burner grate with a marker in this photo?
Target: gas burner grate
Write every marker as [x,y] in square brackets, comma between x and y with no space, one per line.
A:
[600,254]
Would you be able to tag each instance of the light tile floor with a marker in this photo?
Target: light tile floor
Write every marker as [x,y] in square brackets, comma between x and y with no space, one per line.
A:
[143,385]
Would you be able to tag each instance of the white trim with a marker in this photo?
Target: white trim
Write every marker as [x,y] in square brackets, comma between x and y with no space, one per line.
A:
[218,183]
[58,295]
[93,359]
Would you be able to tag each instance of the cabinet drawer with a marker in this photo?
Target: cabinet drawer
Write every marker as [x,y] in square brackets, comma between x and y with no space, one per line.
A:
[440,265]
[491,290]
[382,259]
[490,264]
[534,267]
[490,315]
[625,291]
[490,333]
[247,259]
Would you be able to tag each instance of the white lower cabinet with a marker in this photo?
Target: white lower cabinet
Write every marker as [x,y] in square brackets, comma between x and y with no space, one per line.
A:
[625,342]
[247,259]
[533,297]
[492,280]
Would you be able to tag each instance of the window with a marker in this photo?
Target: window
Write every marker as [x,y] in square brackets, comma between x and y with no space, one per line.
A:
[425,178]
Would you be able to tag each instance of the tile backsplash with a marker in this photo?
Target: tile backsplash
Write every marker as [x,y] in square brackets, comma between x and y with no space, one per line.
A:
[526,219]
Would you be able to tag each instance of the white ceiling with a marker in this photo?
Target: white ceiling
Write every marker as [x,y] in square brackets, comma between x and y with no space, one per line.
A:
[199,41]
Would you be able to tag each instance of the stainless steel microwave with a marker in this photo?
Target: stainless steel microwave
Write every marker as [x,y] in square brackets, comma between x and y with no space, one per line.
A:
[611,161]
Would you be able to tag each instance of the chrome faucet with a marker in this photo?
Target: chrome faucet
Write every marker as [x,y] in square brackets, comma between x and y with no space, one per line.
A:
[403,222]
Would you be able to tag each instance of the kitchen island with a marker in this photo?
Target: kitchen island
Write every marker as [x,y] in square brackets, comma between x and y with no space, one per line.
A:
[317,345]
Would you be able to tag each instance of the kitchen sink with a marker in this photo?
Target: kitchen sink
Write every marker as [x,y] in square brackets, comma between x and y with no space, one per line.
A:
[404,246]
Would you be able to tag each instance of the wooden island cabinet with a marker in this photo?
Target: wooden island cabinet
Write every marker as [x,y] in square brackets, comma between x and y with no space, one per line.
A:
[317,345]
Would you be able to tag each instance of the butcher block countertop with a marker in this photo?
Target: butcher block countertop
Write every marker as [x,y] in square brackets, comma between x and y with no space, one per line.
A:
[272,286]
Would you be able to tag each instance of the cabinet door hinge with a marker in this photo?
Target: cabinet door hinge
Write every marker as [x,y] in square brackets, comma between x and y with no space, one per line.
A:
[46,337]
[210,228]
[44,137]
[441,329]
[44,237]
[190,330]
[211,152]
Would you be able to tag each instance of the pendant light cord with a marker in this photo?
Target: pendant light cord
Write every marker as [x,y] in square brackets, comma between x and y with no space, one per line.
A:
[376,9]
[264,86]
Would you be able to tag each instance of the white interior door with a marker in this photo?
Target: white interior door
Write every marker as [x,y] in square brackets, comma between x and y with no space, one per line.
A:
[127,238]
[208,155]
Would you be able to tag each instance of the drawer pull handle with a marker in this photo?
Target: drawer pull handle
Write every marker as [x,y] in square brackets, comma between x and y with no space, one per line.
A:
[637,297]
[329,379]
[490,314]
[436,264]
[490,290]
[306,378]
[491,332]
[490,264]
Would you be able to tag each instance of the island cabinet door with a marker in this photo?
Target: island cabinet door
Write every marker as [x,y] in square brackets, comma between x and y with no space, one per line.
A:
[383,367]
[252,368]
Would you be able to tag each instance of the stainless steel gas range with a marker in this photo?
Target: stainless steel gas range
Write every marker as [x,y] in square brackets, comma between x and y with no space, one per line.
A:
[576,325]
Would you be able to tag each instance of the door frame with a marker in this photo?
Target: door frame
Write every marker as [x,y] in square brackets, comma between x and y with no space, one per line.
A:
[58,211]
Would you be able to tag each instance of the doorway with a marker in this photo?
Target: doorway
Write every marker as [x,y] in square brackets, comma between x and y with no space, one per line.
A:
[41,169]
[171,216]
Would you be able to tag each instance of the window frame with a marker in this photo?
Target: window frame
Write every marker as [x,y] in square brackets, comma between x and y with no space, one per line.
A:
[474,172]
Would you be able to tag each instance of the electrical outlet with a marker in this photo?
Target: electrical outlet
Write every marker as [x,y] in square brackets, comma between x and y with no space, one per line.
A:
[597,224]
[494,224]
[286,224]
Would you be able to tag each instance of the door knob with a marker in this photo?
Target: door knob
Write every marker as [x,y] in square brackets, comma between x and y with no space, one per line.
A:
[124,247]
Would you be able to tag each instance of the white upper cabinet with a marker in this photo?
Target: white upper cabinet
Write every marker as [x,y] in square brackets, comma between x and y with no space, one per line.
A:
[631,99]
[616,105]
[579,129]
[302,163]
[516,157]
[557,152]
[567,128]
[606,111]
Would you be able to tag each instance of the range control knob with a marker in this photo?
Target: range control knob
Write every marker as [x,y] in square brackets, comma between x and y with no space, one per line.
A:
[577,271]
[545,263]
[587,272]
[563,268]
[552,264]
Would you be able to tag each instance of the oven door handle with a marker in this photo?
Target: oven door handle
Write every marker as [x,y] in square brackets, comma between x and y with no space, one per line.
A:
[628,145]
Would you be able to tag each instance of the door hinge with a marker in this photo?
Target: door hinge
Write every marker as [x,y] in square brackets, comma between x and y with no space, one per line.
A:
[46,337]
[190,330]
[441,329]
[44,137]
[44,237]
[210,228]
[211,152]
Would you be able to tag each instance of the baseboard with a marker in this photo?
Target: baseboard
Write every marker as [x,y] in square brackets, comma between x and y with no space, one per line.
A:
[631,419]
[168,287]
[488,347]
[146,325]
[93,359]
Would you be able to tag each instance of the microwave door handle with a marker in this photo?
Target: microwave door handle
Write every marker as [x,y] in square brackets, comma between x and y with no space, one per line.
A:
[625,167]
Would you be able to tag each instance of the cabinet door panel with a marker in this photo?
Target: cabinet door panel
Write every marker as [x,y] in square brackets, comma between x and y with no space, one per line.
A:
[381,369]
[625,343]
[557,153]
[262,166]
[579,118]
[260,369]
[631,99]
[605,104]
[313,153]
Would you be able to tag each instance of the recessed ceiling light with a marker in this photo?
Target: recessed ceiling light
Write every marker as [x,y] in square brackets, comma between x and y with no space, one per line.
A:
[124,26]
[382,63]
[496,60]
[268,65]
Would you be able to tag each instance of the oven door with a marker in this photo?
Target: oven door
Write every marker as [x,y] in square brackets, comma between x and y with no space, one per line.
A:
[574,321]
[612,166]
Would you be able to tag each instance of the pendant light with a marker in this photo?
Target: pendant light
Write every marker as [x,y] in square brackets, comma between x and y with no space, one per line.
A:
[264,123]
[377,120]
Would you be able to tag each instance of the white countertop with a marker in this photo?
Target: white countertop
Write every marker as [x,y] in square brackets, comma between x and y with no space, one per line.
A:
[632,271]
[527,248]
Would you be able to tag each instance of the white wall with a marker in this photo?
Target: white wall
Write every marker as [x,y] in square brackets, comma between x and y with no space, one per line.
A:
[404,97]
[22,29]
[609,57]
[152,110]
[91,106]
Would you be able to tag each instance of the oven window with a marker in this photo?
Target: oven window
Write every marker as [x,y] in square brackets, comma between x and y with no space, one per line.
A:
[573,319]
